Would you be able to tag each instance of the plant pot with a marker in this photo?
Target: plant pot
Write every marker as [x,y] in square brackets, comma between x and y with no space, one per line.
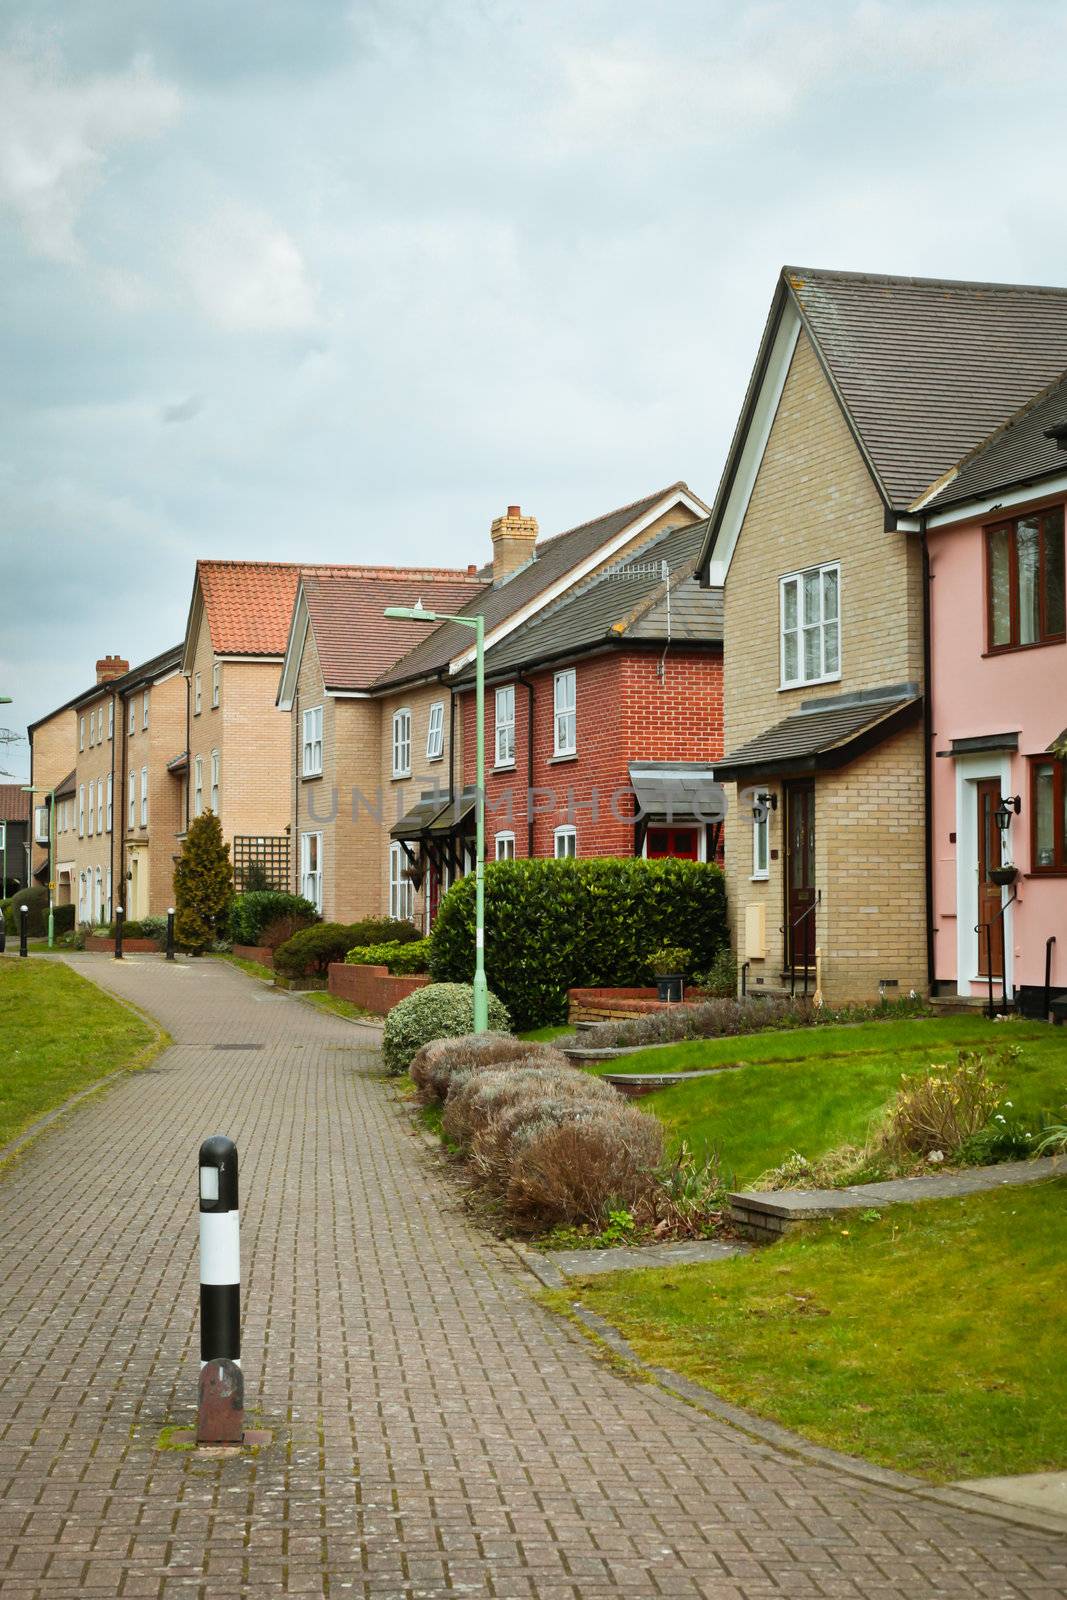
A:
[1003,875]
[670,988]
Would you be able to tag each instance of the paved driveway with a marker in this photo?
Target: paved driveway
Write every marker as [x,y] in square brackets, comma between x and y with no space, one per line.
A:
[436,1433]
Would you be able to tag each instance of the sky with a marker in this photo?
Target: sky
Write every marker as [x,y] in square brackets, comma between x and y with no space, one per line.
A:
[339,280]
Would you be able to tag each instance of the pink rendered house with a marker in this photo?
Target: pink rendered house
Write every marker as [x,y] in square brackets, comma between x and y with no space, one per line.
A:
[998,712]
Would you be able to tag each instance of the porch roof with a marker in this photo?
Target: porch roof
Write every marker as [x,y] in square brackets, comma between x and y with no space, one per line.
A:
[821,736]
[678,790]
[414,824]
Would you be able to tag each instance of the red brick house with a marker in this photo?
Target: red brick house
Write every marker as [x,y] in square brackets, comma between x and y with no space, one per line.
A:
[621,684]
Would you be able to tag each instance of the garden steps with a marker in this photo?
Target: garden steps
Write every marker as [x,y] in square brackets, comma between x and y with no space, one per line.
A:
[767,1215]
[554,1267]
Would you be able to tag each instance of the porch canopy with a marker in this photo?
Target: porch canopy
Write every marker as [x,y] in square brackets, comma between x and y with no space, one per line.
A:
[434,830]
[823,735]
[412,827]
[678,791]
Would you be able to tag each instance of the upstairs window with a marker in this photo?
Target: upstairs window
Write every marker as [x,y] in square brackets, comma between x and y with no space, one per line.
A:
[111,719]
[198,786]
[811,626]
[402,744]
[110,794]
[99,805]
[216,671]
[565,737]
[40,825]
[144,713]
[144,797]
[505,726]
[198,697]
[311,766]
[435,732]
[81,810]
[216,763]
[1025,581]
[131,801]
[81,733]
[1048,822]
[133,718]
[92,729]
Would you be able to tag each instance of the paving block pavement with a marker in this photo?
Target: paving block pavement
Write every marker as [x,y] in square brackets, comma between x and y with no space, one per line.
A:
[435,1432]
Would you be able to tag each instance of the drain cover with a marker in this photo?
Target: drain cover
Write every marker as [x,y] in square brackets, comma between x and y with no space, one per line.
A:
[237,1047]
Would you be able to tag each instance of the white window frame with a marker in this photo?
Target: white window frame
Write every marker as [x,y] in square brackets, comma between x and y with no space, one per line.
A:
[761,839]
[99,805]
[311,876]
[133,717]
[198,786]
[567,834]
[803,625]
[504,847]
[435,732]
[90,811]
[401,888]
[107,907]
[197,695]
[565,713]
[40,826]
[131,800]
[111,719]
[110,799]
[144,712]
[216,770]
[311,763]
[92,729]
[216,672]
[81,733]
[100,893]
[81,811]
[144,797]
[504,726]
[402,743]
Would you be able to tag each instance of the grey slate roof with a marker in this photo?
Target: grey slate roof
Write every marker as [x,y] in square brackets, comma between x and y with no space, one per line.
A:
[928,367]
[822,738]
[1017,453]
[555,558]
[627,602]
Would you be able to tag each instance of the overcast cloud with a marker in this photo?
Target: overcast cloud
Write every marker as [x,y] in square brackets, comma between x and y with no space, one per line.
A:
[307,279]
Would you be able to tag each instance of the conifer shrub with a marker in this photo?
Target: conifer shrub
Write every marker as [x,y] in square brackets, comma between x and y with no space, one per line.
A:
[439,1011]
[556,925]
[203,885]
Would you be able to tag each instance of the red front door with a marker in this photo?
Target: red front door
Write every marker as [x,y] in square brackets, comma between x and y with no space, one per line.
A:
[683,844]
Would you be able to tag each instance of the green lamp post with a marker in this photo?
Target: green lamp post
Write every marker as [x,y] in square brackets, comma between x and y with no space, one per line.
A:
[417,613]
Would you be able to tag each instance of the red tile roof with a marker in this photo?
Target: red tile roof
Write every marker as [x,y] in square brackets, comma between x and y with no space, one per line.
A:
[355,642]
[249,604]
[14,805]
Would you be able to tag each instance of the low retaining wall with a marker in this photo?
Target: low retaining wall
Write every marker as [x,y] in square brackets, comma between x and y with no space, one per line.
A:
[102,944]
[373,988]
[255,952]
[614,1005]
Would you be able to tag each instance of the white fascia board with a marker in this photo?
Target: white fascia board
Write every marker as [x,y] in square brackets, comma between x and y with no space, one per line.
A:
[349,694]
[192,628]
[575,575]
[754,448]
[294,652]
[252,661]
[1002,500]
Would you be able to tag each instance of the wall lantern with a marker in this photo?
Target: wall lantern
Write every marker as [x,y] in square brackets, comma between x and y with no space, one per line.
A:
[762,803]
[1009,805]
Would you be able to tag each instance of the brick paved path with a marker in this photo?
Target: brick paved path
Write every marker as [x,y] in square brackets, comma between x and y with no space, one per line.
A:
[436,1432]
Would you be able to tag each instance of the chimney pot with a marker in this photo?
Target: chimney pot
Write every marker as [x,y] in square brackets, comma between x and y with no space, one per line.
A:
[514,511]
[472,570]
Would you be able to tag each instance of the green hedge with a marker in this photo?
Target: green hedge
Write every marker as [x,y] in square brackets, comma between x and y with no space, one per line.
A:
[311,951]
[401,959]
[252,912]
[556,925]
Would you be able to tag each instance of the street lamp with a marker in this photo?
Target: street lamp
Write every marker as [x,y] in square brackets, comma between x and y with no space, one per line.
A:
[29,788]
[418,613]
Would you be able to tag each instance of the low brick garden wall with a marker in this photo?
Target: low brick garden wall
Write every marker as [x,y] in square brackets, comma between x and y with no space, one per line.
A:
[255,952]
[100,943]
[615,1005]
[373,988]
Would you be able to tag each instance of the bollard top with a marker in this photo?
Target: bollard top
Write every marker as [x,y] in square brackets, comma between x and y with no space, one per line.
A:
[119,911]
[170,911]
[217,1174]
[24,908]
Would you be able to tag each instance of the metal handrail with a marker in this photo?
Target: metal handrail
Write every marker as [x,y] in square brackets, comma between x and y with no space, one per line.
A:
[991,1008]
[793,926]
[1049,942]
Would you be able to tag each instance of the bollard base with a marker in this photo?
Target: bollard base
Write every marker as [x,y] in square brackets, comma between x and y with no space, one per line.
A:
[220,1415]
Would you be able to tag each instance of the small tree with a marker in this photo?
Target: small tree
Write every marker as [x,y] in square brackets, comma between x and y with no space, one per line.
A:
[203,885]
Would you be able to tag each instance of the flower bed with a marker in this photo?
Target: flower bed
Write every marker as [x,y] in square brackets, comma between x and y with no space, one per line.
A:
[375,989]
[616,1005]
[103,944]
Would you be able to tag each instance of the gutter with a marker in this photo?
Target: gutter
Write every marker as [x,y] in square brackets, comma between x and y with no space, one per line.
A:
[928,737]
[120,899]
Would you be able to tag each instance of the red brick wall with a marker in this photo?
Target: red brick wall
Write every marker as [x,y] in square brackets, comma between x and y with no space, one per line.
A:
[625,712]
[373,988]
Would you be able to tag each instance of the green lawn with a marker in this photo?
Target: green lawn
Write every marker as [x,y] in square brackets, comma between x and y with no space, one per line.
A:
[323,1001]
[929,1340]
[58,1034]
[545,1035]
[253,969]
[813,1089]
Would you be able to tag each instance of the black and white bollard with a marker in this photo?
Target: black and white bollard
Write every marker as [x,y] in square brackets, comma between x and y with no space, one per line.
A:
[220,1414]
[170,934]
[120,917]
[24,930]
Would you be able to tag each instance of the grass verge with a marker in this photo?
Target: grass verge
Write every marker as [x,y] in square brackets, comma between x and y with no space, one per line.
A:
[322,1001]
[811,1090]
[925,1339]
[252,969]
[545,1035]
[59,1033]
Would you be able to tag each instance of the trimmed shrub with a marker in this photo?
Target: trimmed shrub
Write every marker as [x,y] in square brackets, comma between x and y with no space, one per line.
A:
[281,930]
[62,918]
[203,885]
[35,899]
[434,1066]
[476,1099]
[154,928]
[581,1170]
[310,951]
[399,958]
[439,1011]
[554,925]
[133,929]
[254,910]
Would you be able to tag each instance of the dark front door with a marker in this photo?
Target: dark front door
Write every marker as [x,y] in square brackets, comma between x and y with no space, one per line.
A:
[800,874]
[990,922]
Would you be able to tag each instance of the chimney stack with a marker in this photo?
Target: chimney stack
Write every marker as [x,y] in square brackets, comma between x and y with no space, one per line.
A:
[514,538]
[111,667]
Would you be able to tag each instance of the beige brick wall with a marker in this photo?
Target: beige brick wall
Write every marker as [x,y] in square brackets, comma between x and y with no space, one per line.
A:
[814,502]
[94,764]
[154,747]
[54,752]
